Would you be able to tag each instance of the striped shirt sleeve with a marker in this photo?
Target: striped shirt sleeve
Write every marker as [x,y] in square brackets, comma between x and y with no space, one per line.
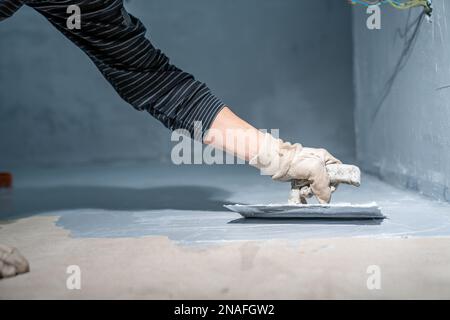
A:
[9,7]
[140,73]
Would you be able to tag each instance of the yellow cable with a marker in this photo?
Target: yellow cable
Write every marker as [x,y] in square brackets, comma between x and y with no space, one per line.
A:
[409,4]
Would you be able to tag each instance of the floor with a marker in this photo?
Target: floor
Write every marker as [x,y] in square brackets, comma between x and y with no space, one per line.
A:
[146,231]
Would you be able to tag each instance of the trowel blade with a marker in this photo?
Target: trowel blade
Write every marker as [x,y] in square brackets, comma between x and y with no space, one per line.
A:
[309,211]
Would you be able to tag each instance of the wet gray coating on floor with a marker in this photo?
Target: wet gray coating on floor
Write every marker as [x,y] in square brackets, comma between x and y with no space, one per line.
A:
[185,203]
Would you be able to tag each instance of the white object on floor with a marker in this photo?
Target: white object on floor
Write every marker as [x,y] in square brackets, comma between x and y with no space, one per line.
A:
[12,263]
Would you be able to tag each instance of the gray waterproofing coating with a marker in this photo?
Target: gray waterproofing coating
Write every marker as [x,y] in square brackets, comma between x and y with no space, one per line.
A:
[265,63]
[400,85]
[309,211]
[402,97]
[186,204]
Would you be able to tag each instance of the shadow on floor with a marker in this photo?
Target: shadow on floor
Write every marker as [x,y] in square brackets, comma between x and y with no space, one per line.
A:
[23,202]
[327,221]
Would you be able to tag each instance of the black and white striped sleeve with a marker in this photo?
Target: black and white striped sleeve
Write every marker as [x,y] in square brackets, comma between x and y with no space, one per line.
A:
[9,7]
[141,74]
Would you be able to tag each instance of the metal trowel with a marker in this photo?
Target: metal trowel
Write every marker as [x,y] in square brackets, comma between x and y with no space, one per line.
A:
[297,206]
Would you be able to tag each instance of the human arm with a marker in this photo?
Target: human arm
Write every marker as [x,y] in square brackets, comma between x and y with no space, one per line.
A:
[282,161]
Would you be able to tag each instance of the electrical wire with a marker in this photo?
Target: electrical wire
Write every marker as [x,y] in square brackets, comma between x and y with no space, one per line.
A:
[398,4]
[408,4]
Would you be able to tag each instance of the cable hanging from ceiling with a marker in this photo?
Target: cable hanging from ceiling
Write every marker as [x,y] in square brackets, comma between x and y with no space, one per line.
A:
[398,4]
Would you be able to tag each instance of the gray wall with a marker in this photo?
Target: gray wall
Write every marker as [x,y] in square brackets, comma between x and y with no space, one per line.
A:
[402,109]
[279,64]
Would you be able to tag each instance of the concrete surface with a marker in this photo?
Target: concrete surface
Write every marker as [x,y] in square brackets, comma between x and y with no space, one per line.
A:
[185,203]
[402,92]
[260,56]
[157,268]
[146,231]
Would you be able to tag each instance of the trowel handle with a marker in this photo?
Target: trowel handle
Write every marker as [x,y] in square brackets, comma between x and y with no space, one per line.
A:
[339,173]
[344,173]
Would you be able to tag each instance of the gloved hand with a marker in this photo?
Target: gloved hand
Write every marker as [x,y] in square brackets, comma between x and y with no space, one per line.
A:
[12,262]
[285,162]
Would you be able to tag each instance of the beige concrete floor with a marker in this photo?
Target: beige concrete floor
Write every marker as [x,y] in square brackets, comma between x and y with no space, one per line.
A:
[142,231]
[159,268]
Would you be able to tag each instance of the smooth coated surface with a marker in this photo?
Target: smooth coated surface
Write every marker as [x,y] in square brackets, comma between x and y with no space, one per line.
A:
[402,90]
[162,232]
[185,203]
[279,64]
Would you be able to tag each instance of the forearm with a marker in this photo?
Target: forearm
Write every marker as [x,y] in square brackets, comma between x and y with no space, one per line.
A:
[235,136]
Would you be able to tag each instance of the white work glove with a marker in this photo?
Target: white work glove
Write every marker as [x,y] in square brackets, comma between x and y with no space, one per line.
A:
[286,162]
[12,262]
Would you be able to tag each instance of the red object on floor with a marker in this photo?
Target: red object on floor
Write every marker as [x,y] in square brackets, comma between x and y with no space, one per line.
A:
[6,180]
